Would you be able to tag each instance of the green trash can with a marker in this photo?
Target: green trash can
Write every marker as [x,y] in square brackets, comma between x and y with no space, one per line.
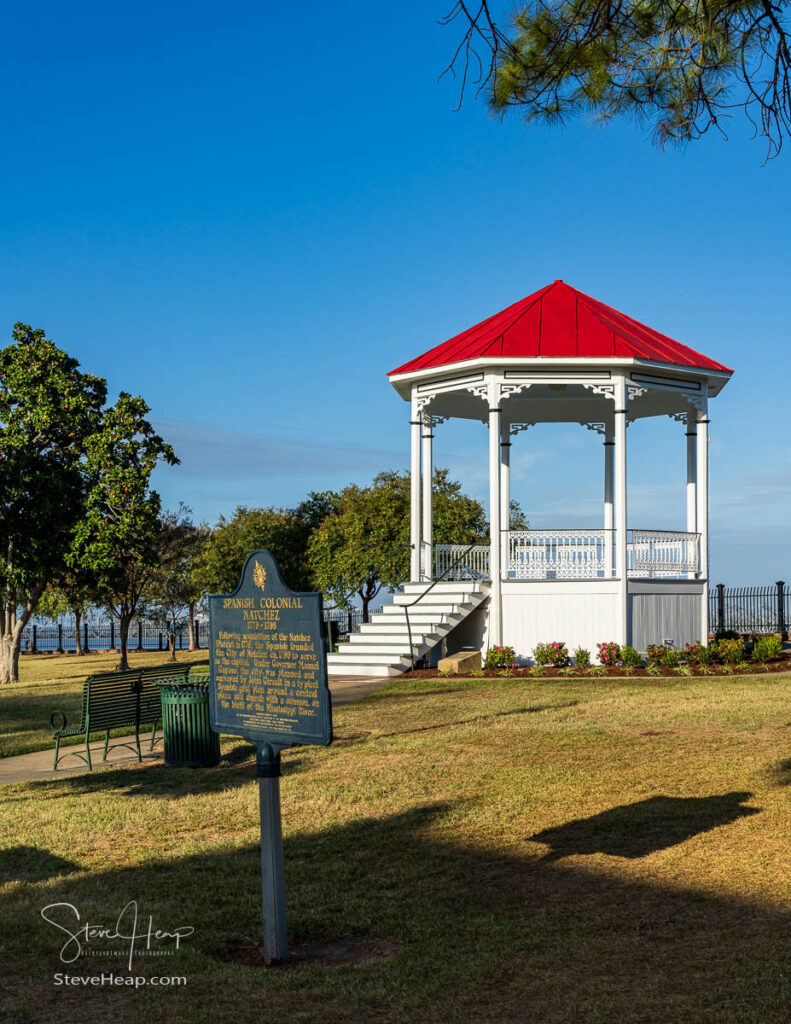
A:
[189,739]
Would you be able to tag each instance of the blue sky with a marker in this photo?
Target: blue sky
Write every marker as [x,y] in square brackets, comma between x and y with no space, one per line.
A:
[249,214]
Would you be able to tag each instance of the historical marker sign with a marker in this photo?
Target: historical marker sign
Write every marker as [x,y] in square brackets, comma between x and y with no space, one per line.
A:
[269,684]
[269,667]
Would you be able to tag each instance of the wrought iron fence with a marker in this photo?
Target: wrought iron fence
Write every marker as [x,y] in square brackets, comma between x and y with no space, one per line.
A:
[105,636]
[38,638]
[750,609]
[348,621]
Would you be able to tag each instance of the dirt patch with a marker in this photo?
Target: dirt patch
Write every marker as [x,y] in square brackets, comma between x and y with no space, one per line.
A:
[343,951]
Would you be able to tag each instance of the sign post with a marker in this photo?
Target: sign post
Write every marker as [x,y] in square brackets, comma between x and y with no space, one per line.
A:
[269,685]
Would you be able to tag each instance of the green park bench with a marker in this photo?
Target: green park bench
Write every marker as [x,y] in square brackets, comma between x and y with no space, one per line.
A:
[115,700]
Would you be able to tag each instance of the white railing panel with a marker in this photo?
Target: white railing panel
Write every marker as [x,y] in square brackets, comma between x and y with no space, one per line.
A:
[557,554]
[473,566]
[663,553]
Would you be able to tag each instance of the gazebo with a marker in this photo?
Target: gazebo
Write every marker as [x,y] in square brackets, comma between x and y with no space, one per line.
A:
[560,356]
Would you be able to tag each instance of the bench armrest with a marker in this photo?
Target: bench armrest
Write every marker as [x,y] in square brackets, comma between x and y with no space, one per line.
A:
[53,725]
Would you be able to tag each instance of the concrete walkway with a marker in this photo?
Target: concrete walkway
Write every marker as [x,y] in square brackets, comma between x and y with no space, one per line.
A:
[25,767]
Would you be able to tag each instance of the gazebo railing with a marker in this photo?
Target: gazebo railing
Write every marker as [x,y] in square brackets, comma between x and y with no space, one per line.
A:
[576,555]
[474,565]
[657,553]
[557,554]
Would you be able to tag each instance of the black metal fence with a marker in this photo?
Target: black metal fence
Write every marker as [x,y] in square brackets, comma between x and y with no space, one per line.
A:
[143,636]
[104,636]
[750,609]
[347,621]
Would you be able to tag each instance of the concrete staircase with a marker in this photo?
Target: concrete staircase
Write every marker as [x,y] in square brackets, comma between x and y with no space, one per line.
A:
[381,648]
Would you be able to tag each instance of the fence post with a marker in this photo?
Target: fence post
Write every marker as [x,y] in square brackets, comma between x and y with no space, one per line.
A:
[781,611]
[160,641]
[34,648]
[85,638]
[720,607]
[60,638]
[112,634]
[196,627]
[349,622]
[139,635]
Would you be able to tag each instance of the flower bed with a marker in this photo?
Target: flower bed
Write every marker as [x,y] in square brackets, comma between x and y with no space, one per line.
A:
[781,664]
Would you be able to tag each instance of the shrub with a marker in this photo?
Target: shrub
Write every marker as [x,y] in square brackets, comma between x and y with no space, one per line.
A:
[655,654]
[541,654]
[727,634]
[500,657]
[671,658]
[706,656]
[536,670]
[558,654]
[582,658]
[596,670]
[730,651]
[609,652]
[767,648]
[631,658]
[684,670]
[654,670]
[692,652]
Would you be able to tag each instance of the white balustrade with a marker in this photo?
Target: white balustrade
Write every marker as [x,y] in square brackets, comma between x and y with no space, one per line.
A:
[473,566]
[663,553]
[557,554]
[574,555]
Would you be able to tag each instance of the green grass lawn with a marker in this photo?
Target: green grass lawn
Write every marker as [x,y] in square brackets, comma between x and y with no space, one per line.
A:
[564,852]
[53,682]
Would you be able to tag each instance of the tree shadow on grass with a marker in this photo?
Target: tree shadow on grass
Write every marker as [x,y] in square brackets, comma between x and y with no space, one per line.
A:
[481,935]
[29,864]
[637,829]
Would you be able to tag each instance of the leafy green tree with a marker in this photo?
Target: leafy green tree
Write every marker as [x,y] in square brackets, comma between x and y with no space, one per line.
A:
[117,537]
[683,67]
[49,412]
[364,546]
[173,591]
[71,591]
[283,532]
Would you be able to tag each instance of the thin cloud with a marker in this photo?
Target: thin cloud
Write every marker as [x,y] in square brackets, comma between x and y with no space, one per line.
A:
[209,452]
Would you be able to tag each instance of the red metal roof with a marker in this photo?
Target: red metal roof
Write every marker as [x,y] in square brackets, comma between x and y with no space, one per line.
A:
[559,322]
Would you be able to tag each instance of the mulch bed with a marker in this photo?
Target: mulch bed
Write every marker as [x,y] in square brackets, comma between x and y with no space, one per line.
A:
[782,664]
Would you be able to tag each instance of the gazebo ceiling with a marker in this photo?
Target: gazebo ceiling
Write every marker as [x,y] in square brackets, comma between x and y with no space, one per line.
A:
[558,323]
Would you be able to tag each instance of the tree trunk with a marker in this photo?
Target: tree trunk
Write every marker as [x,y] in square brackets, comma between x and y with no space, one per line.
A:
[9,654]
[191,619]
[124,622]
[77,637]
[11,640]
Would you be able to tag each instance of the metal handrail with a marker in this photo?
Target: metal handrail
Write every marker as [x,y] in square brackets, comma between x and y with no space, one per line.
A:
[428,590]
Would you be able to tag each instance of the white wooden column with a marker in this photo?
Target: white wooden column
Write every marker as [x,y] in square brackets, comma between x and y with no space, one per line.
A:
[692,477]
[609,499]
[414,494]
[427,564]
[505,497]
[702,429]
[495,599]
[620,509]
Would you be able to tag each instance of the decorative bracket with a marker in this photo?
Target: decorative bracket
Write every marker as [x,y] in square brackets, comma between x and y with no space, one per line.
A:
[514,428]
[607,390]
[598,428]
